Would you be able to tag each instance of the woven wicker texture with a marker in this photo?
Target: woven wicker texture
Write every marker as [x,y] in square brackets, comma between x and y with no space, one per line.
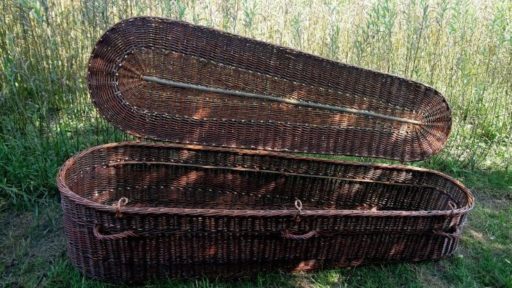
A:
[137,211]
[172,81]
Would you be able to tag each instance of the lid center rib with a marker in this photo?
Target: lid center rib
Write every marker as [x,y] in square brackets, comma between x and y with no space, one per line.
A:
[177,84]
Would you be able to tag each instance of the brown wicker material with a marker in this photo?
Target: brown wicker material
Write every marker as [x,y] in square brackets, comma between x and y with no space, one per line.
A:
[129,60]
[135,211]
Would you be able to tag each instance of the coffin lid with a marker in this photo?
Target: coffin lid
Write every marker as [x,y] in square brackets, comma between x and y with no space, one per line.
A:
[172,81]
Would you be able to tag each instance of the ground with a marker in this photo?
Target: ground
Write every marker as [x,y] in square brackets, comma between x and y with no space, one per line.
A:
[462,48]
[32,254]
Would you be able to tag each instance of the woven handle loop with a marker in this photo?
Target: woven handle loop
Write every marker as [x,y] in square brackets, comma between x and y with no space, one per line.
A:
[451,234]
[287,235]
[116,236]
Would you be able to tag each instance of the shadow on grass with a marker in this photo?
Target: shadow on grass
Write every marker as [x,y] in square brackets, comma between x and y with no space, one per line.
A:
[33,250]
[33,253]
[32,242]
[30,159]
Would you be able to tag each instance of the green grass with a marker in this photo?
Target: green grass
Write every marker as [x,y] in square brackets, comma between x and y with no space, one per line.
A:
[463,48]
[32,253]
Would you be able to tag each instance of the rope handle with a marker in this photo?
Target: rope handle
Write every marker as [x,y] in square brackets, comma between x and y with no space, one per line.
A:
[116,236]
[298,206]
[129,233]
[120,203]
[288,235]
[451,235]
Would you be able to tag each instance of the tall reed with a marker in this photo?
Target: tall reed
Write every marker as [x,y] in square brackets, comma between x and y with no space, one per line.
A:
[461,47]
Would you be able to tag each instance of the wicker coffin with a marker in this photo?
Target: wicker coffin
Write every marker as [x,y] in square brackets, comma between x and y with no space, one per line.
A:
[228,197]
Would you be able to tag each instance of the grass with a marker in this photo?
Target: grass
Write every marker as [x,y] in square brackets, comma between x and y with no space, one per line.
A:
[32,253]
[461,47]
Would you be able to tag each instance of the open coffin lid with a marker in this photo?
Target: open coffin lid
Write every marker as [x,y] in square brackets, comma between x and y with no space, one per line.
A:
[172,81]
[232,209]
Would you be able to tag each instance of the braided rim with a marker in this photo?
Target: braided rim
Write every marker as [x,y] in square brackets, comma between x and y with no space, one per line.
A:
[66,191]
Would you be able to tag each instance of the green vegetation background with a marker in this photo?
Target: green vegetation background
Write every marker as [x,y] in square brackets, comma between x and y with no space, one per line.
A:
[463,48]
